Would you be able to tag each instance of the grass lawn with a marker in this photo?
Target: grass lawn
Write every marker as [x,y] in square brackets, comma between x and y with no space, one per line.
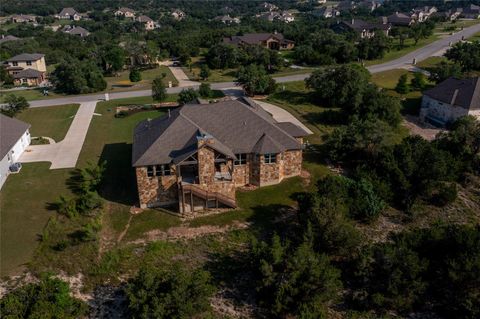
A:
[409,46]
[389,79]
[23,201]
[52,121]
[297,100]
[475,37]
[123,83]
[30,94]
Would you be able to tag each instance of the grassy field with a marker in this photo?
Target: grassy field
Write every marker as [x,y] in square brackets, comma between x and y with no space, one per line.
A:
[121,82]
[24,213]
[30,94]
[52,121]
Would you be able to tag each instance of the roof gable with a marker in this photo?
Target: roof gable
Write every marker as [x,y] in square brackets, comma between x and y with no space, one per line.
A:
[235,127]
[459,92]
[11,130]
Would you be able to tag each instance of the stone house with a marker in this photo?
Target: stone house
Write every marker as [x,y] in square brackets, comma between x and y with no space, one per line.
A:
[400,19]
[125,12]
[272,41]
[451,99]
[69,14]
[178,14]
[23,18]
[196,156]
[76,30]
[422,14]
[27,68]
[227,19]
[15,137]
[148,23]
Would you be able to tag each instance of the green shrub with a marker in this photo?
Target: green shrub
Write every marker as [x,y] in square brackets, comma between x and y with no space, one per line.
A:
[135,75]
[48,299]
[174,293]
[205,91]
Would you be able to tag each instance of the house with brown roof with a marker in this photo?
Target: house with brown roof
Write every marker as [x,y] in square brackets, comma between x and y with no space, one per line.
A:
[69,14]
[400,19]
[27,68]
[76,30]
[272,41]
[8,38]
[363,28]
[451,99]
[23,18]
[125,12]
[198,155]
[148,23]
[14,139]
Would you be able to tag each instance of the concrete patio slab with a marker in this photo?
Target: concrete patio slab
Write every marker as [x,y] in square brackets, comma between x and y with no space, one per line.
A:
[280,115]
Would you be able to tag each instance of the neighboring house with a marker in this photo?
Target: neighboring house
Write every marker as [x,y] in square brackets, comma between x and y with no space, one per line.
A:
[178,14]
[325,12]
[422,14]
[271,16]
[450,15]
[346,6]
[400,19]
[369,5]
[14,139]
[148,23]
[23,18]
[451,99]
[27,68]
[75,30]
[321,1]
[226,19]
[363,28]
[268,6]
[8,38]
[69,14]
[125,12]
[28,77]
[273,41]
[196,156]
[471,12]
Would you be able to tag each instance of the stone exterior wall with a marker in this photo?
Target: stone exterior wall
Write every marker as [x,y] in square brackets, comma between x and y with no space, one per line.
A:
[439,110]
[292,163]
[271,173]
[206,165]
[156,190]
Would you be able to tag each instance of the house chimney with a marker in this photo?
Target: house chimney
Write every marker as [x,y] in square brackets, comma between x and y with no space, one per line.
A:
[353,21]
[275,32]
[169,113]
[454,97]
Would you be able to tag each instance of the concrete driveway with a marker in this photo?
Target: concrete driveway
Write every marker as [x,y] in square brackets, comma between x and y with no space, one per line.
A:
[280,115]
[65,153]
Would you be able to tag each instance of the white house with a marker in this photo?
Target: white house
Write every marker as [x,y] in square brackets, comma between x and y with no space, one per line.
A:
[451,99]
[14,139]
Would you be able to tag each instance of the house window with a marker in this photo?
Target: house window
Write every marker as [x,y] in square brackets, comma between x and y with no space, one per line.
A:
[29,62]
[241,159]
[15,63]
[24,80]
[270,158]
[150,171]
[162,170]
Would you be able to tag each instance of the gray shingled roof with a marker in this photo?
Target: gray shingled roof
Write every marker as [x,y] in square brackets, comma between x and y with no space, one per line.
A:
[28,73]
[144,19]
[26,57]
[463,92]
[75,30]
[292,129]
[236,127]
[69,11]
[8,38]
[11,130]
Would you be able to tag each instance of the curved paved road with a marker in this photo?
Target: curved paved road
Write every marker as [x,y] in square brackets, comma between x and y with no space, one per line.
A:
[422,53]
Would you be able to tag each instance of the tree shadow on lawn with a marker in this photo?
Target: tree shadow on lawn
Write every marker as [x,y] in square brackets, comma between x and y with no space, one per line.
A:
[119,183]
